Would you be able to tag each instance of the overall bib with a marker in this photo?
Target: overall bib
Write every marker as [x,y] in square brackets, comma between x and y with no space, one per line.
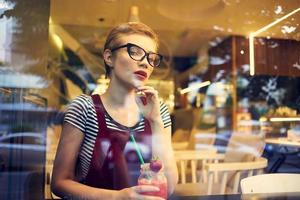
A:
[109,168]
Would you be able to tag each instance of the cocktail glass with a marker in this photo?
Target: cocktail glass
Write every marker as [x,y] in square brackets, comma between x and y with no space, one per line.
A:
[157,179]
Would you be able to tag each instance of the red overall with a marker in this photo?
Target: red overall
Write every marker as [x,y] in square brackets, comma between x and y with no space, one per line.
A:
[108,168]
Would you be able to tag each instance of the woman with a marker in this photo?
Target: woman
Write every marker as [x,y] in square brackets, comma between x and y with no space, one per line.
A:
[83,163]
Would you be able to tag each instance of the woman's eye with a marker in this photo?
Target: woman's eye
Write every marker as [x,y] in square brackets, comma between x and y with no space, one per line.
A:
[136,51]
[153,58]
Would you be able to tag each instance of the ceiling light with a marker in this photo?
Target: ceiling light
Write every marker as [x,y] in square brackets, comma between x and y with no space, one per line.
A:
[252,35]
[194,87]
[134,14]
[284,119]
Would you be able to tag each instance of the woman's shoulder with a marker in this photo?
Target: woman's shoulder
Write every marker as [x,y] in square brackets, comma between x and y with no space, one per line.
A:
[83,98]
[83,101]
[79,111]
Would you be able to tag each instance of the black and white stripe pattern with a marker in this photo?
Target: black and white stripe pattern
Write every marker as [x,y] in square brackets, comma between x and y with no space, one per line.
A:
[81,113]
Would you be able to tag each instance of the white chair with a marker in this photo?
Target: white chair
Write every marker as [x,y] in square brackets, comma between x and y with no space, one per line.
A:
[271,183]
[220,173]
[205,174]
[180,145]
[189,163]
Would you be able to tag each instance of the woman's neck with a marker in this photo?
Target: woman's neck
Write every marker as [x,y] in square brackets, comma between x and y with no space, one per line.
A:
[119,96]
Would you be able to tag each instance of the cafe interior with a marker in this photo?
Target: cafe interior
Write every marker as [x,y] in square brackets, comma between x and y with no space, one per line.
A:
[230,78]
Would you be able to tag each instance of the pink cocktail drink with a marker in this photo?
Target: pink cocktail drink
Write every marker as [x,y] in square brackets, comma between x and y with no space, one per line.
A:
[152,174]
[161,184]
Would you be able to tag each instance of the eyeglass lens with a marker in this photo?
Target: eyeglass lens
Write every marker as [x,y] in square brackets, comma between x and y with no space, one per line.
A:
[137,53]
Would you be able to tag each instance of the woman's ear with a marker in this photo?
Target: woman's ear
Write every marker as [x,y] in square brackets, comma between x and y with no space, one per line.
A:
[107,56]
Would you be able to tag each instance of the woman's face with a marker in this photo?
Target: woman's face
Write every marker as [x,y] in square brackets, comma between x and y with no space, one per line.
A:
[128,71]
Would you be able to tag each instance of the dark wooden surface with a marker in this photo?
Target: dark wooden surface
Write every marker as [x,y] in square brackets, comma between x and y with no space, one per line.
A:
[273,196]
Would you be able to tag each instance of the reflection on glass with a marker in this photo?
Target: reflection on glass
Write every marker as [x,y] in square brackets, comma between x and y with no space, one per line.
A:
[285,29]
[207,41]
[23,106]
[263,105]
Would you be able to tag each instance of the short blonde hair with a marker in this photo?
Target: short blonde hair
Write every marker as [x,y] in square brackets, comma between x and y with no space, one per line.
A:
[127,29]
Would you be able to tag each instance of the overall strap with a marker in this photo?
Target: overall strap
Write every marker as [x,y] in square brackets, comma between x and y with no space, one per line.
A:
[100,112]
[100,173]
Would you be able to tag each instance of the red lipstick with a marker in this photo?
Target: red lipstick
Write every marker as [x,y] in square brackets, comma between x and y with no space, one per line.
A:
[141,74]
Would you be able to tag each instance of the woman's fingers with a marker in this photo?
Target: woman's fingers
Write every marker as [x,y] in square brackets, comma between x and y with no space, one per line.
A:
[149,92]
[145,188]
[147,89]
[148,101]
[146,93]
[136,192]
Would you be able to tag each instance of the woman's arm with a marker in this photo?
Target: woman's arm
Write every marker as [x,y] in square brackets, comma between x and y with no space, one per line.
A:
[162,147]
[161,137]
[64,183]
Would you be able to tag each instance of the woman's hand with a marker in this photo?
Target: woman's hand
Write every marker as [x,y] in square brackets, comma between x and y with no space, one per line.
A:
[135,193]
[148,103]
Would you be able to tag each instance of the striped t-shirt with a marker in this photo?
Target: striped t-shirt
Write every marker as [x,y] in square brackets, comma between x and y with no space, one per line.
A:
[81,113]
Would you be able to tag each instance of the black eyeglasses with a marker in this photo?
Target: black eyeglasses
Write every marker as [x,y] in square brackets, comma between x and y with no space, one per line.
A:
[138,54]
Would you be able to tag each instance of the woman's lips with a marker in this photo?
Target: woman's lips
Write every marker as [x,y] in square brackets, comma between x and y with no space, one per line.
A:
[141,75]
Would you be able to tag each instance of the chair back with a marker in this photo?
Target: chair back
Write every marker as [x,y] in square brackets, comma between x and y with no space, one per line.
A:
[243,147]
[203,132]
[189,163]
[190,167]
[271,183]
[202,139]
[203,173]
[180,139]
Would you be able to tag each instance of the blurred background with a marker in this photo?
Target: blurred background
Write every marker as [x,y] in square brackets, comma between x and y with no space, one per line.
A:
[230,66]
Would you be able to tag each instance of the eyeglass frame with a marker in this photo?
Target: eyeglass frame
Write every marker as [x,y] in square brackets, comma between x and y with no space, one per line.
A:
[146,54]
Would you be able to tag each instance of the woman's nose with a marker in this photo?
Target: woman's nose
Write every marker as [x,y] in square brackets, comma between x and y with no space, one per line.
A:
[144,63]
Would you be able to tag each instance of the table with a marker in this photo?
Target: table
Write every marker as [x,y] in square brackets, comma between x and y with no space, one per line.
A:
[271,196]
[284,142]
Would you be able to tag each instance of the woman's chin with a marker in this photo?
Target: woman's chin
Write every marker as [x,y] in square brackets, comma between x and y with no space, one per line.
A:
[138,84]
